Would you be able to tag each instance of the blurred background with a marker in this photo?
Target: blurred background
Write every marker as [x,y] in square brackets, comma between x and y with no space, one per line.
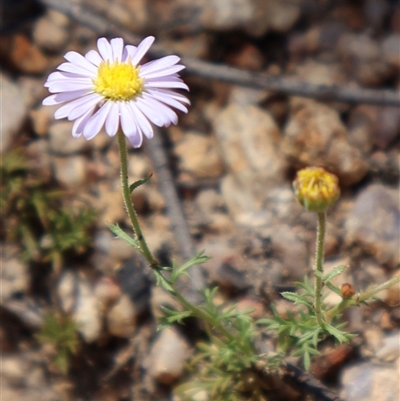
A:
[79,308]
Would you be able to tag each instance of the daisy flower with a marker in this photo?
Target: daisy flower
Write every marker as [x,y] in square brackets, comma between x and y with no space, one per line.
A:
[108,88]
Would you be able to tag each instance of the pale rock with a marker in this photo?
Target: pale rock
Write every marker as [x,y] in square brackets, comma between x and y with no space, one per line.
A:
[360,128]
[373,126]
[248,139]
[256,17]
[23,378]
[167,356]
[33,91]
[108,201]
[139,166]
[289,248]
[374,224]
[220,223]
[87,313]
[14,274]
[160,224]
[196,45]
[209,200]
[247,96]
[283,205]
[386,126]
[391,50]
[281,15]
[239,203]
[67,290]
[374,339]
[198,155]
[121,318]
[50,32]
[12,369]
[390,349]
[70,171]
[14,111]
[369,382]
[41,119]
[61,140]
[319,73]
[315,135]
[107,243]
[362,56]
[107,291]
[154,198]
[40,160]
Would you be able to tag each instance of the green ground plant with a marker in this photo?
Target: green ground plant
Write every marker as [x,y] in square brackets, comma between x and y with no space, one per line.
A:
[39,217]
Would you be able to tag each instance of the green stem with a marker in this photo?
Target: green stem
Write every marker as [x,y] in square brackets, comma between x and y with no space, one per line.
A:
[129,204]
[362,297]
[318,267]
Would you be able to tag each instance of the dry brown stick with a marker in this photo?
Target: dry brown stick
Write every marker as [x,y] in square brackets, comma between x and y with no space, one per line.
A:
[278,84]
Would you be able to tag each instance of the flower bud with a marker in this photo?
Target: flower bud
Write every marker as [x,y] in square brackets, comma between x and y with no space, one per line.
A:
[347,290]
[316,189]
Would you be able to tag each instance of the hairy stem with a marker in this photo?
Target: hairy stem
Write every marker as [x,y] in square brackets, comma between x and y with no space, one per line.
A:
[318,267]
[129,204]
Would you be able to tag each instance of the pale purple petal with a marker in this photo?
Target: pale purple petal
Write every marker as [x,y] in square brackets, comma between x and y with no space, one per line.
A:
[62,97]
[93,57]
[168,100]
[105,49]
[91,101]
[129,52]
[80,123]
[165,84]
[82,103]
[70,86]
[174,95]
[77,70]
[149,112]
[129,126]
[61,76]
[142,48]
[135,140]
[78,59]
[162,73]
[96,122]
[117,46]
[141,121]
[164,113]
[159,64]
[112,121]
[170,115]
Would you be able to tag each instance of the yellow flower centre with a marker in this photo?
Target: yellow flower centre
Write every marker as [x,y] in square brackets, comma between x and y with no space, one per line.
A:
[118,81]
